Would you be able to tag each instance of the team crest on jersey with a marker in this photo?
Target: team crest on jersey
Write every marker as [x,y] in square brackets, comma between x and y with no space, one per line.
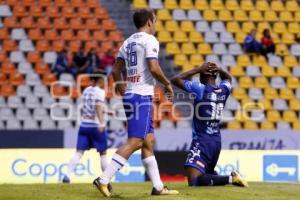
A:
[154,50]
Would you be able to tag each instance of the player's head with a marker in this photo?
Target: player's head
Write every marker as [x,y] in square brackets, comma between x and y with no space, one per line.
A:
[98,78]
[266,32]
[145,19]
[253,32]
[210,74]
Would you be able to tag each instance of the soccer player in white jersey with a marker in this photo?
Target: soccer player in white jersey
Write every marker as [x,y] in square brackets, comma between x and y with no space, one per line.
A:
[91,133]
[139,54]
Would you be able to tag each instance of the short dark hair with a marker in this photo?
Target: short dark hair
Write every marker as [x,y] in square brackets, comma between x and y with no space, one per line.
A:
[141,16]
[97,76]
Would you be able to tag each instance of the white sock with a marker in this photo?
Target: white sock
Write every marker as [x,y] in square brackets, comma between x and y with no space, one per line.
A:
[116,164]
[153,173]
[72,163]
[104,162]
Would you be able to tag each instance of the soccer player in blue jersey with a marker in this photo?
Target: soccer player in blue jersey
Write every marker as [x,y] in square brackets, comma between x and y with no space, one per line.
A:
[209,102]
[139,56]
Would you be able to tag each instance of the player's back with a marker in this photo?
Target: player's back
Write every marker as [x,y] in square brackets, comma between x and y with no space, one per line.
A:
[135,51]
[91,96]
[209,108]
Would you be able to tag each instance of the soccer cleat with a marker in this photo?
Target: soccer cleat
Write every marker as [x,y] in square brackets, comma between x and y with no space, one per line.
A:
[105,189]
[238,180]
[66,179]
[164,191]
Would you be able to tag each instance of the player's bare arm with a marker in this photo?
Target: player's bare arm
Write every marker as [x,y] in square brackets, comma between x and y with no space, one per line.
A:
[100,115]
[117,75]
[179,79]
[159,75]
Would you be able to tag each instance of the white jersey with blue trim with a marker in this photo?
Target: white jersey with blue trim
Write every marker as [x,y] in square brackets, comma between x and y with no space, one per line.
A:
[135,51]
[91,96]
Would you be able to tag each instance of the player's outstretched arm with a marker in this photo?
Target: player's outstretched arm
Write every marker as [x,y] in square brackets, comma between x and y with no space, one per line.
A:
[117,75]
[179,79]
[158,74]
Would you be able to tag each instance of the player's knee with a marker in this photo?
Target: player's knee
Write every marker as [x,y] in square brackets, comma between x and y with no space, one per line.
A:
[136,144]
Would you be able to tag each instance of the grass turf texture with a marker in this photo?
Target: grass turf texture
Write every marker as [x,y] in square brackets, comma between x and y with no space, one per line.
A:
[257,191]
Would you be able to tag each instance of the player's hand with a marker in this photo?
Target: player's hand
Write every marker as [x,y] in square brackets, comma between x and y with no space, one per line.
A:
[169,92]
[101,129]
[120,88]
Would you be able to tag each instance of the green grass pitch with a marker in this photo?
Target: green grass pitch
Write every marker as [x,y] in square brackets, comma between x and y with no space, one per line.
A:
[140,191]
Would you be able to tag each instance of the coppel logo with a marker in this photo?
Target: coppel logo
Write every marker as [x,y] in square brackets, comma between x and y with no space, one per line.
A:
[280,168]
[228,168]
[22,167]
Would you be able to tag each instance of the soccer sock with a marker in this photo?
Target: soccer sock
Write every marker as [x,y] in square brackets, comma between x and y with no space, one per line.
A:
[104,162]
[211,180]
[153,173]
[116,164]
[72,163]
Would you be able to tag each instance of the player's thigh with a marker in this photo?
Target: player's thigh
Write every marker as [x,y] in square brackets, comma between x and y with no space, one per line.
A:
[99,140]
[83,141]
[192,174]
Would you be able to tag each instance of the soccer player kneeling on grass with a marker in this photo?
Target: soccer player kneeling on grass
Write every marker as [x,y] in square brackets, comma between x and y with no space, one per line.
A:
[209,102]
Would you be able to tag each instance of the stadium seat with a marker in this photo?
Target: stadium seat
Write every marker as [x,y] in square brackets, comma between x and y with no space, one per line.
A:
[22,114]
[296,71]
[196,59]
[289,116]
[171,26]
[188,48]
[255,93]
[202,26]
[235,49]
[226,37]
[179,15]
[164,36]
[26,45]
[233,27]
[47,124]
[16,79]
[286,94]
[293,82]
[40,91]
[194,15]
[13,124]
[204,49]
[18,34]
[33,79]
[170,4]
[240,15]
[234,125]
[219,49]
[295,104]
[25,68]
[277,5]
[23,91]
[228,60]
[239,93]
[247,5]
[195,37]
[210,15]
[253,71]
[257,115]
[225,15]
[187,26]
[250,125]
[231,5]
[49,57]
[17,57]
[280,104]
[163,14]
[283,71]
[155,4]
[283,125]
[270,93]
[267,125]
[278,82]
[211,37]
[218,27]
[180,59]
[180,37]
[273,116]
[201,5]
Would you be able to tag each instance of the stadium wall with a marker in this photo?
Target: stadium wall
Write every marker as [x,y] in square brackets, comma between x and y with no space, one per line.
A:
[49,166]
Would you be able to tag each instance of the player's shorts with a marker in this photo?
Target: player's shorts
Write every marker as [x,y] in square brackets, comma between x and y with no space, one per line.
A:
[204,155]
[90,137]
[139,115]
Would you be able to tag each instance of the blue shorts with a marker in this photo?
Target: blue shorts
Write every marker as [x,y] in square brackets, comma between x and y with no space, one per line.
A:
[204,155]
[139,115]
[90,137]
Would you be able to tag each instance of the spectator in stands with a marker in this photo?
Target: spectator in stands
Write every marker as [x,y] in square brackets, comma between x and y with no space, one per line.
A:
[251,45]
[108,60]
[62,63]
[80,62]
[94,61]
[267,42]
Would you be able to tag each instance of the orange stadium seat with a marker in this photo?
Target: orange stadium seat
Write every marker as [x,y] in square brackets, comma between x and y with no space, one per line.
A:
[83,35]
[11,22]
[51,34]
[48,79]
[100,35]
[84,12]
[44,23]
[105,46]
[67,35]
[91,45]
[61,3]
[115,36]
[8,68]
[52,11]
[4,34]
[3,56]
[60,23]
[7,90]
[92,3]
[27,22]
[77,3]
[76,24]
[58,45]
[42,68]
[19,11]
[93,24]
[101,13]
[74,46]
[11,2]
[68,12]
[35,34]
[36,11]
[109,25]
[3,79]
[58,91]
[45,3]
[33,57]
[16,79]
[43,45]
[9,45]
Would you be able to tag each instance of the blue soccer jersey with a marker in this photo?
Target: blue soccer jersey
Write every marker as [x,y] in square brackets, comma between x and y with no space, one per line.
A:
[208,106]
